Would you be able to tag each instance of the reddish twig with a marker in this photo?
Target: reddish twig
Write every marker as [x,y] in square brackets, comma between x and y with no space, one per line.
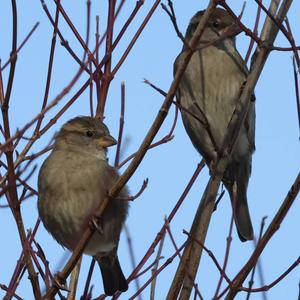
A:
[157,259]
[39,153]
[276,281]
[64,43]
[136,36]
[121,126]
[13,56]
[53,103]
[197,292]
[132,256]
[155,266]
[75,32]
[1,93]
[251,281]
[6,289]
[12,194]
[161,233]
[131,198]
[228,244]
[172,16]
[211,255]
[167,138]
[88,280]
[255,31]
[273,227]
[155,274]
[296,91]
[49,73]
[20,267]
[281,27]
[107,76]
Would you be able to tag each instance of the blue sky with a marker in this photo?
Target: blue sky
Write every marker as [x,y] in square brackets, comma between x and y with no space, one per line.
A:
[169,167]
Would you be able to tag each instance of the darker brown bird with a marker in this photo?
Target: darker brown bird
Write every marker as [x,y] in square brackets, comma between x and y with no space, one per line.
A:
[210,89]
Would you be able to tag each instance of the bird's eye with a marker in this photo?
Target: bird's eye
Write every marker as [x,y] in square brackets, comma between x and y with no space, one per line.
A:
[216,24]
[89,133]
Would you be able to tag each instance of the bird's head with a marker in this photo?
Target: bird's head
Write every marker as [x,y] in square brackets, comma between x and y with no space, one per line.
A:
[85,132]
[220,25]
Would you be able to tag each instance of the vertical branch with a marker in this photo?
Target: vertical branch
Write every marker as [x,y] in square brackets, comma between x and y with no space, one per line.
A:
[296,91]
[50,65]
[121,127]
[132,257]
[91,89]
[96,75]
[13,55]
[155,266]
[88,25]
[88,280]
[106,79]
[251,281]
[12,195]
[97,38]
[1,87]
[226,257]
[255,31]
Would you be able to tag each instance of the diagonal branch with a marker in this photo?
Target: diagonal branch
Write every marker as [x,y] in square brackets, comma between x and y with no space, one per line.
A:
[273,227]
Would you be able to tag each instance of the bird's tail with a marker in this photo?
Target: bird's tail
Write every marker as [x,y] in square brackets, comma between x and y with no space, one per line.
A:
[241,212]
[112,275]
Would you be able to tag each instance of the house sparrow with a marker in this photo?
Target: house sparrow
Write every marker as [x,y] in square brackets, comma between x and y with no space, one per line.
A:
[72,182]
[208,93]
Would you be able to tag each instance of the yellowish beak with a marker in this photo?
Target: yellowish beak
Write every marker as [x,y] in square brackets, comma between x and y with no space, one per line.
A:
[106,141]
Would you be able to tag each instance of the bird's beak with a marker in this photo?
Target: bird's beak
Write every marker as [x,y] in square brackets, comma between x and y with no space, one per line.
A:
[106,141]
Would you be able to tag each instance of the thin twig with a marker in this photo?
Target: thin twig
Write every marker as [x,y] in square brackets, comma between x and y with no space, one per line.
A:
[162,231]
[88,280]
[13,56]
[132,257]
[121,126]
[172,16]
[155,274]
[297,92]
[273,227]
[131,198]
[255,31]
[211,255]
[228,244]
[251,281]
[197,292]
[155,266]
